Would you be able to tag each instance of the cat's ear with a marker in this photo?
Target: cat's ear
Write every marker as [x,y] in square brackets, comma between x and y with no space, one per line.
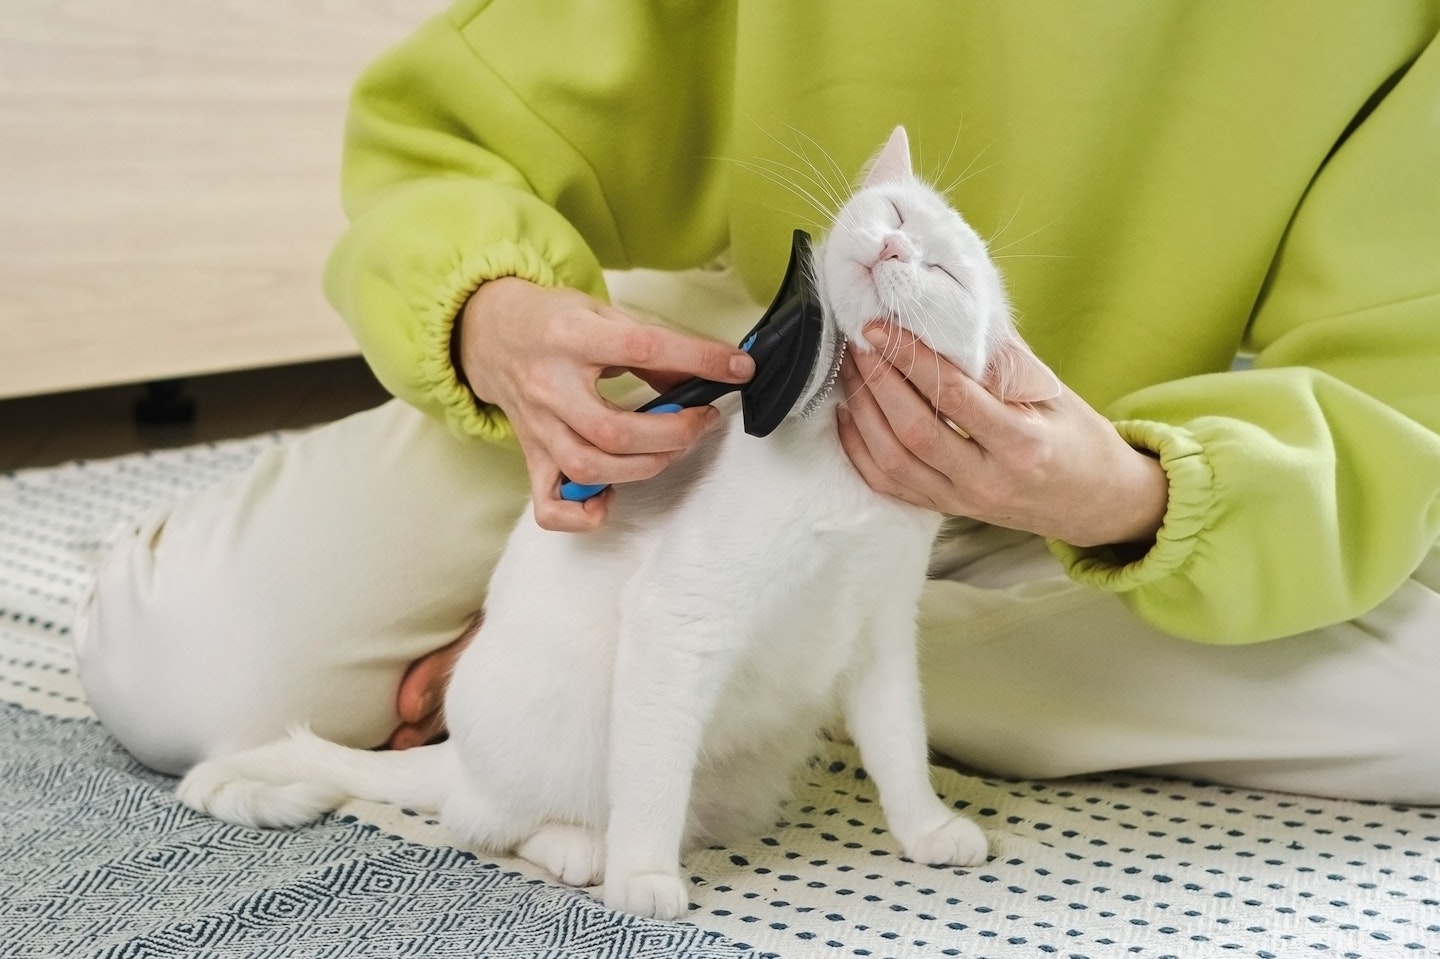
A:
[1016,375]
[892,163]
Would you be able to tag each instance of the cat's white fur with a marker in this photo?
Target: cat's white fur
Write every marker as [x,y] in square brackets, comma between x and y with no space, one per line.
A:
[656,684]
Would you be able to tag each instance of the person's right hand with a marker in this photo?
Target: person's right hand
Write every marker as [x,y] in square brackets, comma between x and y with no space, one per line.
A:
[539,352]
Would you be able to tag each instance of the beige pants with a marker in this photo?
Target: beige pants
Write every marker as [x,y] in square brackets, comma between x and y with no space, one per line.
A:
[300,591]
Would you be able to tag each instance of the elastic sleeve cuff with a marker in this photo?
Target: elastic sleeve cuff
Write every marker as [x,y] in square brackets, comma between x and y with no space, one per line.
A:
[464,413]
[405,268]
[1188,513]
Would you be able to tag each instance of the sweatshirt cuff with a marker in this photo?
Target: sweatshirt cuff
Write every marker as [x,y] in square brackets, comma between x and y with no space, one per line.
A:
[463,411]
[1188,514]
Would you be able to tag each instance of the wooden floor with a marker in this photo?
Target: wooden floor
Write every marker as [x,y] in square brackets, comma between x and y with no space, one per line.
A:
[45,430]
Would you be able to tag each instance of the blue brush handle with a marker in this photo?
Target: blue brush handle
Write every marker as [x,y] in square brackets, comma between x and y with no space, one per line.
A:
[579,492]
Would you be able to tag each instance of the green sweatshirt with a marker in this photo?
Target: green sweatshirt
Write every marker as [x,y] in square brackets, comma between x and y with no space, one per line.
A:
[1164,184]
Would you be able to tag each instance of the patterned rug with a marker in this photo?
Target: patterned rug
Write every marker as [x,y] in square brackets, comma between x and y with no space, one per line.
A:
[100,861]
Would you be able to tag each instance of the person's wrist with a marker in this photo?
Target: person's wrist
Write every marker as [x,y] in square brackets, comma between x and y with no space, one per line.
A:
[489,300]
[1129,511]
[457,350]
[1142,502]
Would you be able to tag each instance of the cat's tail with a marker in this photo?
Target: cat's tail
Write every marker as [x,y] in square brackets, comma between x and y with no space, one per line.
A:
[298,779]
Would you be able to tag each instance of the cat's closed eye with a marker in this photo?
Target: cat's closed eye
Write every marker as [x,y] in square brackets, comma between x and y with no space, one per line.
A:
[899,214]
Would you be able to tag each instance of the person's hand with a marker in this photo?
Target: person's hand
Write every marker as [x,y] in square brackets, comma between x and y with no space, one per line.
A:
[919,429]
[538,353]
[420,699]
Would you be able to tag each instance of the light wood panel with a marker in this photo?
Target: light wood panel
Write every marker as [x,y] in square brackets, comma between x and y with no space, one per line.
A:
[169,182]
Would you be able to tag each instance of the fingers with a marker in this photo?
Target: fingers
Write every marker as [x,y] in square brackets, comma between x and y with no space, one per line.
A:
[852,439]
[420,699]
[558,451]
[879,440]
[563,516]
[636,346]
[629,434]
[412,735]
[943,387]
[538,353]
[887,402]
[1055,467]
[550,511]
[555,450]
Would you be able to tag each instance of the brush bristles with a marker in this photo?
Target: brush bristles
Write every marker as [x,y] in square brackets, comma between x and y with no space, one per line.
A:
[832,376]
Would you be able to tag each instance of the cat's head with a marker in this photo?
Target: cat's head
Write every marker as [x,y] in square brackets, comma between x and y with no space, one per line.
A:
[899,252]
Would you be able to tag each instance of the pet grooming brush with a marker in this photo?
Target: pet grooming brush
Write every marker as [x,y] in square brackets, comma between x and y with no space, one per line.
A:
[797,357]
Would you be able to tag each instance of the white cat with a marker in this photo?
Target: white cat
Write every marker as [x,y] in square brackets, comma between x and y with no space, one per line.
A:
[655,684]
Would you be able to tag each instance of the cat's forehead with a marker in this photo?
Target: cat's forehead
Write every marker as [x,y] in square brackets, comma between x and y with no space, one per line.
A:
[908,195]
[923,213]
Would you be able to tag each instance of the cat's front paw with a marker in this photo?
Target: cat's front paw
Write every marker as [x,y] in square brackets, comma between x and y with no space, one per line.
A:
[229,789]
[959,842]
[659,895]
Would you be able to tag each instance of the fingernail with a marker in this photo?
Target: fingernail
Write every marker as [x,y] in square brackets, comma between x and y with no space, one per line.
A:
[877,336]
[742,365]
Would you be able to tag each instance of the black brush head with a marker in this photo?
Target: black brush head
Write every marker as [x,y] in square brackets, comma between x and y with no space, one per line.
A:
[786,345]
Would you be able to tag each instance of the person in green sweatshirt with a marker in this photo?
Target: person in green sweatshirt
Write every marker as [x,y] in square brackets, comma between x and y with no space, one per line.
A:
[1213,555]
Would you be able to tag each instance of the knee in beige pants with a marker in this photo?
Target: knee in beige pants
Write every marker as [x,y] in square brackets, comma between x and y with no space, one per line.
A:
[297,591]
[1032,675]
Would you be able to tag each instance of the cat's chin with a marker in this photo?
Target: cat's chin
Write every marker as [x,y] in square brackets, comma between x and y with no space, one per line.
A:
[853,323]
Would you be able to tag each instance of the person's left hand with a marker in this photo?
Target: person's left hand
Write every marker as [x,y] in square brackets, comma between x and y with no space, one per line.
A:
[1056,468]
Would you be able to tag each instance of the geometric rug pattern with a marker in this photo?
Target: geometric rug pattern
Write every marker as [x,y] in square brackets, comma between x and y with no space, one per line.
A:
[99,860]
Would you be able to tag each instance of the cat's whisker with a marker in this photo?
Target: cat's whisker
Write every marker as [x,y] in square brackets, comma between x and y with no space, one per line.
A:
[811,175]
[954,144]
[803,218]
[834,193]
[809,171]
[965,174]
[889,352]
[908,347]
[927,315]
[1016,242]
[778,180]
[842,180]
[1006,225]
[777,177]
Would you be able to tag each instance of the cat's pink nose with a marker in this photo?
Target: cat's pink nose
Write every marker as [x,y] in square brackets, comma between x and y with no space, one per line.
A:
[894,249]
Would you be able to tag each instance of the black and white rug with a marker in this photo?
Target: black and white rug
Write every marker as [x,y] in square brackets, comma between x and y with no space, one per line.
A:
[99,860]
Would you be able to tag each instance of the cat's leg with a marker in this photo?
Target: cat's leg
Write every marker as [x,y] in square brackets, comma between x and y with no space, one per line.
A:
[298,779]
[737,792]
[482,820]
[669,669]
[573,854]
[528,702]
[885,718]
